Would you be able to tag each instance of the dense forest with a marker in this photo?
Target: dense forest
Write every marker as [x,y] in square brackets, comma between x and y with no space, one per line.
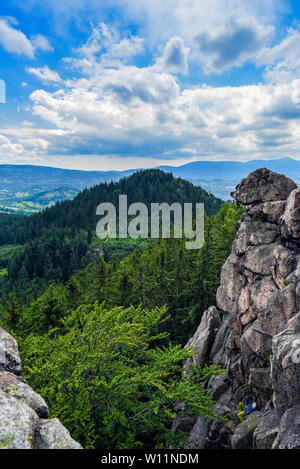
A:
[148,186]
[102,336]
[60,239]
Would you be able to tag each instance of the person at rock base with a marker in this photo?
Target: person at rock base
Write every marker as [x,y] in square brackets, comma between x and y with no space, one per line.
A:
[250,408]
[244,411]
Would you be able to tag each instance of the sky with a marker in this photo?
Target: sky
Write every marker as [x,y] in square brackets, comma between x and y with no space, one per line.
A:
[122,84]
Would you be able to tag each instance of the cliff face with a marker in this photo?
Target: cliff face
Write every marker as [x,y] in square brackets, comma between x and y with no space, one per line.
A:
[24,416]
[258,340]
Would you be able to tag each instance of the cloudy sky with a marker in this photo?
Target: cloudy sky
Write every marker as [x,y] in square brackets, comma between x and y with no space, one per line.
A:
[119,84]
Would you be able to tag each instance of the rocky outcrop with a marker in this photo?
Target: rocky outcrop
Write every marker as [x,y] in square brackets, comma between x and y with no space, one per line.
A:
[258,340]
[213,433]
[203,339]
[263,186]
[289,430]
[9,353]
[289,223]
[286,367]
[243,435]
[24,415]
[267,428]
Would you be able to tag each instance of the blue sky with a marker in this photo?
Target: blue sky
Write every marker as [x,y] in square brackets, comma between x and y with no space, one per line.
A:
[119,84]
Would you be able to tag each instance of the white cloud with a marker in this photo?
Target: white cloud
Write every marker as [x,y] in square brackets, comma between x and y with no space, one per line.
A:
[282,61]
[41,43]
[14,40]
[26,144]
[143,112]
[174,58]
[45,74]
[105,48]
[160,20]
[14,151]
[234,44]
[115,109]
[27,124]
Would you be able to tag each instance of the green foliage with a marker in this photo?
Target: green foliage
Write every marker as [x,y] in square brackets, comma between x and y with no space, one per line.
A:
[247,389]
[164,274]
[59,240]
[108,383]
[46,313]
[101,339]
[12,312]
[146,186]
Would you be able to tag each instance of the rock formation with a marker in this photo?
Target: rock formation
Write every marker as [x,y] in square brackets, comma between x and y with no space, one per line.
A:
[258,340]
[24,415]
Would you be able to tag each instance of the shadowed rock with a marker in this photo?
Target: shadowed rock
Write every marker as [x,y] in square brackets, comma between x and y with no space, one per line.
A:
[290,221]
[9,353]
[203,339]
[289,430]
[267,429]
[286,368]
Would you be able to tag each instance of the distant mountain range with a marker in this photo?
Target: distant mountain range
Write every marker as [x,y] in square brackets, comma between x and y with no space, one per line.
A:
[29,188]
[221,177]
[233,169]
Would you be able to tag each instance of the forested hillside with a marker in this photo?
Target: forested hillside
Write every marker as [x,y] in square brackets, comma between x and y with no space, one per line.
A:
[147,186]
[103,341]
[60,240]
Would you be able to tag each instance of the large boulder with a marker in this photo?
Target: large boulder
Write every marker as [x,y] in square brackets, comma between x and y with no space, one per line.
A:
[290,221]
[285,370]
[203,339]
[220,339]
[9,353]
[260,383]
[21,428]
[198,435]
[263,186]
[267,211]
[267,429]
[17,423]
[51,434]
[273,318]
[243,435]
[231,284]
[289,430]
[213,433]
[262,259]
[13,386]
